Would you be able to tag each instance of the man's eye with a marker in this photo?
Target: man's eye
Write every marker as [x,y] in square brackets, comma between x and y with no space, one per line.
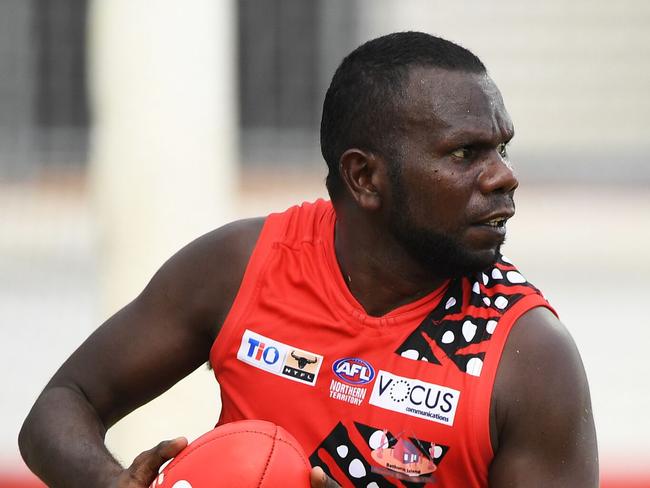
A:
[462,153]
[503,150]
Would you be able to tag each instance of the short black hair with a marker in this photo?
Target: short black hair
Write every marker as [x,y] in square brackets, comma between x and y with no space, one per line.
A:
[360,103]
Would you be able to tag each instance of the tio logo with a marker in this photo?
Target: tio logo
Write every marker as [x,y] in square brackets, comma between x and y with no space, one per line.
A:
[354,371]
[280,359]
[258,351]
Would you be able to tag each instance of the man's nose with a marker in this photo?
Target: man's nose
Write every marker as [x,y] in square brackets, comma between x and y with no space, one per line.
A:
[498,176]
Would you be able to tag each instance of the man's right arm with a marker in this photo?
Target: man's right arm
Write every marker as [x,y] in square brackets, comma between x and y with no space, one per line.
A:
[145,348]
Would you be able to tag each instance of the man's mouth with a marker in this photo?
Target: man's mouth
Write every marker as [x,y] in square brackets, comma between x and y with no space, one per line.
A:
[498,222]
[494,225]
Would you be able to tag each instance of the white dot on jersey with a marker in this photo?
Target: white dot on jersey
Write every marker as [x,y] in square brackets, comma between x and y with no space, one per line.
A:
[410,354]
[342,451]
[476,288]
[424,359]
[474,366]
[496,274]
[376,440]
[450,303]
[514,277]
[505,260]
[487,301]
[448,337]
[357,469]
[182,484]
[372,485]
[490,326]
[485,278]
[469,330]
[501,302]
[437,452]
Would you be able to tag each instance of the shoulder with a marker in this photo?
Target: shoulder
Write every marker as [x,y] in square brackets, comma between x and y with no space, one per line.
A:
[304,222]
[539,352]
[204,276]
[541,405]
[230,246]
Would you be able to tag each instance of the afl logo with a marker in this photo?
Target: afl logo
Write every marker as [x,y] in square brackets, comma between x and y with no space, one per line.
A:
[354,371]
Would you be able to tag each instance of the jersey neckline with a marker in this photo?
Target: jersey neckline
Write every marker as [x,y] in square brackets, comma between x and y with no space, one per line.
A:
[402,315]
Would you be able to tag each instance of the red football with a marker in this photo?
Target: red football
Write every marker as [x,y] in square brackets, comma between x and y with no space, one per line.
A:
[248,453]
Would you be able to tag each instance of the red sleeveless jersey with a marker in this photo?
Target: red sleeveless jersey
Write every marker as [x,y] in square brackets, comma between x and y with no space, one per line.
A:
[375,401]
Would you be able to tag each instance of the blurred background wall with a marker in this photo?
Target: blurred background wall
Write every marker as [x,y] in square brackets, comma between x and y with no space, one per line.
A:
[129,127]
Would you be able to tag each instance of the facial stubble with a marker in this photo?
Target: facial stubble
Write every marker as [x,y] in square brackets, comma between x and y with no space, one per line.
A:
[443,255]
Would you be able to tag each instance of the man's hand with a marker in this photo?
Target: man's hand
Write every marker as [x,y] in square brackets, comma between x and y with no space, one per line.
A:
[144,468]
[319,479]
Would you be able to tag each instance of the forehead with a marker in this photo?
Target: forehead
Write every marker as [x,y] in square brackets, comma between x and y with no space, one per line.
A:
[454,102]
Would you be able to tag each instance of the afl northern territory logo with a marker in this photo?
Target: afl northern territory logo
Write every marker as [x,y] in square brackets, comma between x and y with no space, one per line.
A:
[353,371]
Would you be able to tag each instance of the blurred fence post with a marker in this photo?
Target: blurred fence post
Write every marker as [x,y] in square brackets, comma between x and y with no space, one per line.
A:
[163,165]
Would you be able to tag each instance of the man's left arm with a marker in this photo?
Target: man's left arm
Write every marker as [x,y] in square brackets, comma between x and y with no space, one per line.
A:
[542,423]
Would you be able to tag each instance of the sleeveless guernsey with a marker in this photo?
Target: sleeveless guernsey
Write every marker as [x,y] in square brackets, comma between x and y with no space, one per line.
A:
[375,401]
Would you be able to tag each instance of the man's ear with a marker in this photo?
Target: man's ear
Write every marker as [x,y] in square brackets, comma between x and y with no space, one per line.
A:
[361,172]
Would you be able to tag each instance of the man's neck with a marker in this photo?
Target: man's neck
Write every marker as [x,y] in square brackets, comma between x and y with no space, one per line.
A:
[378,272]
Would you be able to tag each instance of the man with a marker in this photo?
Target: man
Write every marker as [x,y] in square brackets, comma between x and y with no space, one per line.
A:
[384,330]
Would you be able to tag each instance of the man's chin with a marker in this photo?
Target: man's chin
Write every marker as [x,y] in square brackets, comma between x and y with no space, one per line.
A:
[469,263]
[442,255]
[486,259]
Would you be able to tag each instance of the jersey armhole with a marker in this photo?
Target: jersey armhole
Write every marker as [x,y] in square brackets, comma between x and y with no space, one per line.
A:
[483,394]
[272,231]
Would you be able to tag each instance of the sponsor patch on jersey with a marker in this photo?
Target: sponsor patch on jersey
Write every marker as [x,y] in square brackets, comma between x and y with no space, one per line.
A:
[354,374]
[279,358]
[414,397]
[404,458]
[354,371]
[354,395]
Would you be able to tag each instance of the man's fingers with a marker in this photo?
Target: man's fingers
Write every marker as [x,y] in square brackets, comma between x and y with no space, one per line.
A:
[319,479]
[145,466]
[169,449]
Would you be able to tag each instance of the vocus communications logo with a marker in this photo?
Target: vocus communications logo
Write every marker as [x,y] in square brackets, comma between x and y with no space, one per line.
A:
[414,397]
[278,358]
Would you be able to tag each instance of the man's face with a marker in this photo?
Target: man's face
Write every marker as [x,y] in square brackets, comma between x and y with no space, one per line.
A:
[452,185]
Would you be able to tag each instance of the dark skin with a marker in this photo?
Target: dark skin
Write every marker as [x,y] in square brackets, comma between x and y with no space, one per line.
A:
[455,128]
[456,176]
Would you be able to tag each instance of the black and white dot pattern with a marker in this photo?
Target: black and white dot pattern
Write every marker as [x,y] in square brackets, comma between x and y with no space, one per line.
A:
[348,459]
[357,469]
[468,314]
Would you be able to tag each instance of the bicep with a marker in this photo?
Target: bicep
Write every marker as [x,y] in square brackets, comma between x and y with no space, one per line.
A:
[135,355]
[167,331]
[546,431]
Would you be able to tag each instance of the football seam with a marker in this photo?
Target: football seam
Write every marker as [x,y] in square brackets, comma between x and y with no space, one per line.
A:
[196,448]
[268,459]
